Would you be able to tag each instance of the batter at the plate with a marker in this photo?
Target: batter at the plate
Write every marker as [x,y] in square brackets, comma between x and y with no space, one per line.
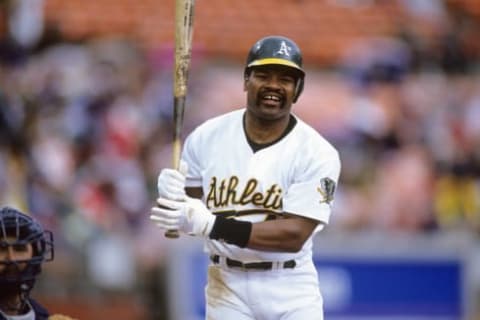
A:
[266,181]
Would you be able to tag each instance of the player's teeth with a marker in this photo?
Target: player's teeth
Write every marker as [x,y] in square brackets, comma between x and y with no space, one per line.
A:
[272,98]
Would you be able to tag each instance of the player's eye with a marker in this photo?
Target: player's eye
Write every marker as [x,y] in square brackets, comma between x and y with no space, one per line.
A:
[287,79]
[260,75]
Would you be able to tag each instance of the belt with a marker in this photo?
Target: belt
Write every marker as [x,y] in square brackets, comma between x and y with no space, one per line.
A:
[263,265]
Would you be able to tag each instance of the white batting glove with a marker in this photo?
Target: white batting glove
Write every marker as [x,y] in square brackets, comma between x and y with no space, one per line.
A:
[190,216]
[171,182]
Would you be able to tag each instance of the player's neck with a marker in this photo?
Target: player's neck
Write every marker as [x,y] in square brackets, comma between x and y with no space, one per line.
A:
[265,131]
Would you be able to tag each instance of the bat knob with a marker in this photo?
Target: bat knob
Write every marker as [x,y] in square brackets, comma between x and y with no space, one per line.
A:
[172,234]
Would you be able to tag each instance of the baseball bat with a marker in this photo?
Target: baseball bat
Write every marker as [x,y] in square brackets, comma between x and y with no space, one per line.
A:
[184,10]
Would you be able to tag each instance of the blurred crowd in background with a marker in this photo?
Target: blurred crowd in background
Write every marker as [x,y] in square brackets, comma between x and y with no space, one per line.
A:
[86,127]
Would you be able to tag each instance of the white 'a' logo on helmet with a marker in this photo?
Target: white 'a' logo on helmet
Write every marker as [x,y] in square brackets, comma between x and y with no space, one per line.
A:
[284,49]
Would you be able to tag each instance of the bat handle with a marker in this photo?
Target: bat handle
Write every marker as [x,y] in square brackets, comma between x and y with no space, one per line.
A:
[177,146]
[172,234]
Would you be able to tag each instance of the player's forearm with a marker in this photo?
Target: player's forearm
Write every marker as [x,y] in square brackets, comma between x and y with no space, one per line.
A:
[286,235]
[194,192]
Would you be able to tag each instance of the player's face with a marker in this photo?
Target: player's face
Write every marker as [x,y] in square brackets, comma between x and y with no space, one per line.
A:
[270,91]
[11,251]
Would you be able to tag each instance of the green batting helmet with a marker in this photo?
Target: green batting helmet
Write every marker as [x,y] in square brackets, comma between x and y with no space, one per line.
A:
[277,50]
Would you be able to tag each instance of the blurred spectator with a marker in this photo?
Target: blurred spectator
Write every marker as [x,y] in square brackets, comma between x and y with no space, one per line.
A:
[457,198]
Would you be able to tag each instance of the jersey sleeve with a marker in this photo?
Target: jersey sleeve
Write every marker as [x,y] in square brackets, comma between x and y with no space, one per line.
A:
[312,192]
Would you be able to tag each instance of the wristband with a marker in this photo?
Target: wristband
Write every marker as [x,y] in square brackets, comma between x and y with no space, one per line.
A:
[231,231]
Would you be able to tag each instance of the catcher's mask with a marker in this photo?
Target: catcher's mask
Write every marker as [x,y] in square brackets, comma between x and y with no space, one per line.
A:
[18,229]
[277,50]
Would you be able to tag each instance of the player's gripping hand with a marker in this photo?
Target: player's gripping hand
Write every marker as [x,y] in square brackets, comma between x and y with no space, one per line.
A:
[190,216]
[171,182]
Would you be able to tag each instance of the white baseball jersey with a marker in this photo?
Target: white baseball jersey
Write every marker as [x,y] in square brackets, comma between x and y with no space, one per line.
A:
[295,175]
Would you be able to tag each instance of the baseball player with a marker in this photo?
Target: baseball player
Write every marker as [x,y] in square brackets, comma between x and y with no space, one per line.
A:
[24,246]
[266,181]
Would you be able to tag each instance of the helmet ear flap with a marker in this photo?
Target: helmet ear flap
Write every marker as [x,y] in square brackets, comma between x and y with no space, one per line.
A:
[298,89]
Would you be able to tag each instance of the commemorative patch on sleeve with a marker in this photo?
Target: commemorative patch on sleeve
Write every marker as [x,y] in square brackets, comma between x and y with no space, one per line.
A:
[326,190]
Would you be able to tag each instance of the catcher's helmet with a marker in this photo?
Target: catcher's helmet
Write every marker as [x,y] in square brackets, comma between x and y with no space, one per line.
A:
[277,50]
[17,228]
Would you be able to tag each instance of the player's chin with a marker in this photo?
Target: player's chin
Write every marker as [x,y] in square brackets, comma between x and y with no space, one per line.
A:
[272,112]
